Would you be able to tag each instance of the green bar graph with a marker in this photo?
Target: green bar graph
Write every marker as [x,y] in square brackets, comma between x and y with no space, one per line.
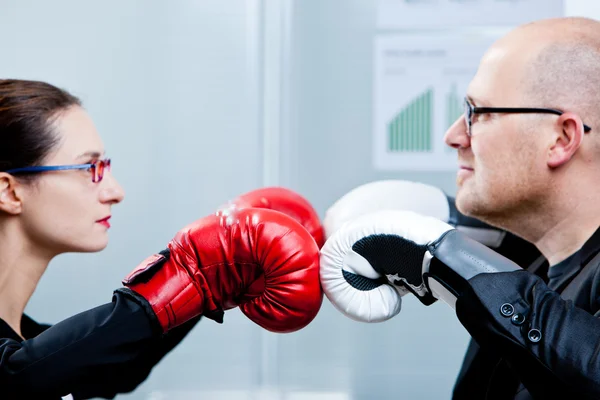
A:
[411,129]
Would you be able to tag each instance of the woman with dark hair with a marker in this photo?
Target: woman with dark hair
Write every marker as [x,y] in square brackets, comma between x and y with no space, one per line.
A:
[56,194]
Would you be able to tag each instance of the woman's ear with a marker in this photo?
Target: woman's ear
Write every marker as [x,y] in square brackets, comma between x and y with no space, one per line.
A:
[10,198]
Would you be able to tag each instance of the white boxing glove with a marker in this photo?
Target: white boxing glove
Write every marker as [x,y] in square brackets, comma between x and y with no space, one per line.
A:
[404,195]
[355,258]
[372,261]
[386,195]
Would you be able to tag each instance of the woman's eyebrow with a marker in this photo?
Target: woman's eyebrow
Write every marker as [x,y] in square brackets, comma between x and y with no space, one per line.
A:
[89,154]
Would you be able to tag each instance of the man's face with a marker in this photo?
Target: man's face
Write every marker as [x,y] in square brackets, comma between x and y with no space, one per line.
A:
[502,168]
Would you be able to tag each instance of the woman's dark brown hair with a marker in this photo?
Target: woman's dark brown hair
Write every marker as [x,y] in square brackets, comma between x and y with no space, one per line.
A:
[27,110]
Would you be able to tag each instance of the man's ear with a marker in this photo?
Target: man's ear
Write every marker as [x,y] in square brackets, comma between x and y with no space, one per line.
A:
[11,200]
[567,140]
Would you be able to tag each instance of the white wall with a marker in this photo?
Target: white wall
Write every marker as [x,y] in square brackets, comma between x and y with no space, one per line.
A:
[583,8]
[172,89]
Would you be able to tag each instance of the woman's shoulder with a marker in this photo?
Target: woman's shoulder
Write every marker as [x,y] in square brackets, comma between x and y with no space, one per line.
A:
[31,328]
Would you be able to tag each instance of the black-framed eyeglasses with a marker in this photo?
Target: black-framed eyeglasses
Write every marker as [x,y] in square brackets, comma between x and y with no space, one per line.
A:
[96,168]
[470,109]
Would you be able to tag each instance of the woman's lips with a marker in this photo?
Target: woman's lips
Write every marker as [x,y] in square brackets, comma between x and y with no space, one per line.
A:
[104,221]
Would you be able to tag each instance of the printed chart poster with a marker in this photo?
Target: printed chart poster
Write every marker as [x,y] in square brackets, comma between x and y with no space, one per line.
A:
[411,14]
[419,85]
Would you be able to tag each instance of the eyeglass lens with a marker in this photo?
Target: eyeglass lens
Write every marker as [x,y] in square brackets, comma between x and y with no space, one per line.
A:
[98,169]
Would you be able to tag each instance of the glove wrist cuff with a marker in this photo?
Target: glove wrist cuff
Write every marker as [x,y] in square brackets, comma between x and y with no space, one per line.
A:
[456,259]
[169,290]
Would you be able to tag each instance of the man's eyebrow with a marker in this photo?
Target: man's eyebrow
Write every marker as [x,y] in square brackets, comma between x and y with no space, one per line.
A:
[475,101]
[89,154]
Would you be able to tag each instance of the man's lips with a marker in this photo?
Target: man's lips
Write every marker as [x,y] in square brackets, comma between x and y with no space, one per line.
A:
[463,173]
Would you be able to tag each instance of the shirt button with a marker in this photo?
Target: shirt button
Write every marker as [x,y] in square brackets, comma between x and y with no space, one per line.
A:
[517,319]
[507,309]
[534,335]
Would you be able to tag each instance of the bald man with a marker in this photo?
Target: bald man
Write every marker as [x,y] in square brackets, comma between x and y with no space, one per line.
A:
[529,154]
[533,169]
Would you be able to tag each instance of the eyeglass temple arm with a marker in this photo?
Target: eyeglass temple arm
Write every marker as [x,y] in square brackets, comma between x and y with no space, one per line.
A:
[480,110]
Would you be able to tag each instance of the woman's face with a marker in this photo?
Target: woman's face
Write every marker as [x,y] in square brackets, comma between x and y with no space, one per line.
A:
[64,211]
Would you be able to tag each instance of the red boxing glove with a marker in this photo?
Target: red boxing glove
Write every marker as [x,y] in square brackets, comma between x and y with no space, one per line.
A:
[260,260]
[288,202]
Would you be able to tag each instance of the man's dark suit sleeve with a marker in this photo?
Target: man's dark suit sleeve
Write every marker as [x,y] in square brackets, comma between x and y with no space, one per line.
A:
[101,352]
[553,346]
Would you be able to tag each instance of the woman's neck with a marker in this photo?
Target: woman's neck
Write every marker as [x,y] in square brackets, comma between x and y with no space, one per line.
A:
[21,268]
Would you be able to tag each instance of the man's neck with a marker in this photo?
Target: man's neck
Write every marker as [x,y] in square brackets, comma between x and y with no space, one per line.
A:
[560,231]
[566,238]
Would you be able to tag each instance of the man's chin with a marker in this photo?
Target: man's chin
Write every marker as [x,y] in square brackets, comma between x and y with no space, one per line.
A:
[465,203]
[472,206]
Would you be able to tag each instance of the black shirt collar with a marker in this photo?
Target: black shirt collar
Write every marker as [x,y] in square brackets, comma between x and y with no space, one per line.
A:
[590,248]
[562,273]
